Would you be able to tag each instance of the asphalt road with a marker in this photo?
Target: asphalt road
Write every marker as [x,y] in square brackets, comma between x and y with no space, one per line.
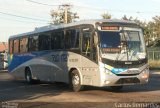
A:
[58,94]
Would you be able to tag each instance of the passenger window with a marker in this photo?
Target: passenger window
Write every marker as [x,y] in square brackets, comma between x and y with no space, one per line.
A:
[68,39]
[23,45]
[57,40]
[72,39]
[33,43]
[44,41]
[75,39]
[11,46]
[16,46]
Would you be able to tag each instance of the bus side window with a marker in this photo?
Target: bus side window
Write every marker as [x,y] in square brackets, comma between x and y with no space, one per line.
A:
[10,46]
[16,46]
[86,47]
[53,40]
[57,40]
[33,43]
[75,39]
[68,39]
[44,41]
[23,45]
[72,39]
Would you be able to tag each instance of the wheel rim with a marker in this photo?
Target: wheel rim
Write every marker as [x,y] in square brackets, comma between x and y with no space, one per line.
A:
[75,80]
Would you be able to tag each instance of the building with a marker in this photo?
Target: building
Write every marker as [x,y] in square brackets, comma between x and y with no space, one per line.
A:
[3,55]
[3,47]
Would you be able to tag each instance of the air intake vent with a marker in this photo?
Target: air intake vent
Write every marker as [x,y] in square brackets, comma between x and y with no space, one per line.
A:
[128,80]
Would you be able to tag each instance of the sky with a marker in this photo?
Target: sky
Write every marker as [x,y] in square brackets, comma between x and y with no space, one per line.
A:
[19,16]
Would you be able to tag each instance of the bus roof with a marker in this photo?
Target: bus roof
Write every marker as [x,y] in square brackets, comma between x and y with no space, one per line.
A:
[54,27]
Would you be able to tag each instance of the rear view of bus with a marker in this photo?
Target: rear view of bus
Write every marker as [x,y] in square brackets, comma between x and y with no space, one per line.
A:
[122,54]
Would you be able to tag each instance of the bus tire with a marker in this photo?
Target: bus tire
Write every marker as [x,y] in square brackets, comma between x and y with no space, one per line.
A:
[28,76]
[75,81]
[116,88]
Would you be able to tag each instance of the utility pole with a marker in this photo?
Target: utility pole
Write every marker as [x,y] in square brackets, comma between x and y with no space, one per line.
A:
[63,14]
[66,8]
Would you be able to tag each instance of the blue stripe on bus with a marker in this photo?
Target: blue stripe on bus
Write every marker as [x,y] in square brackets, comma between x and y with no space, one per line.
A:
[19,59]
[118,70]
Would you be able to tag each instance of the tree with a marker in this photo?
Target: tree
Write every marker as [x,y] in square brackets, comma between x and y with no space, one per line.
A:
[125,18]
[63,14]
[146,28]
[106,16]
[154,27]
[151,30]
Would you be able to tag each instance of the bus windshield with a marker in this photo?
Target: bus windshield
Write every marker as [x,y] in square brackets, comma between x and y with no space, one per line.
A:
[121,43]
[109,39]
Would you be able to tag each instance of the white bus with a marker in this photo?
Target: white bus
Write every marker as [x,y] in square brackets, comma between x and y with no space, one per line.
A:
[95,52]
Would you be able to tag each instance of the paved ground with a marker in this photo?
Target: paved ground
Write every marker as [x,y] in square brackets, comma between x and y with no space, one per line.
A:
[16,91]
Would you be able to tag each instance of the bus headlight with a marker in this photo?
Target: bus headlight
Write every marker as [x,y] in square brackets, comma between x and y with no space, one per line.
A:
[145,74]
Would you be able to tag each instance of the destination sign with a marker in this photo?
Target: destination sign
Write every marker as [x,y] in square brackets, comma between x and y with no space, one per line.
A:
[111,50]
[110,28]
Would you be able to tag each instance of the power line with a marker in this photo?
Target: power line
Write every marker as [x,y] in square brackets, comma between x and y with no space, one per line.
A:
[40,3]
[24,17]
[100,9]
[121,11]
[19,20]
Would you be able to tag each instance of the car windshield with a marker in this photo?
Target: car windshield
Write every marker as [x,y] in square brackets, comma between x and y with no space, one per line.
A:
[123,42]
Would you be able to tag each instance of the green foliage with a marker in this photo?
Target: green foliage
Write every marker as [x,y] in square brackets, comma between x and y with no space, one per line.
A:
[154,32]
[128,19]
[106,16]
[151,30]
[63,15]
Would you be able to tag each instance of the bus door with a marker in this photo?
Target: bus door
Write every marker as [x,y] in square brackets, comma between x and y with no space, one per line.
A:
[87,44]
[88,61]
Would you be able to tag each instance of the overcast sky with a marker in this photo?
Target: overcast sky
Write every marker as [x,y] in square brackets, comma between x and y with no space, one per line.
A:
[36,15]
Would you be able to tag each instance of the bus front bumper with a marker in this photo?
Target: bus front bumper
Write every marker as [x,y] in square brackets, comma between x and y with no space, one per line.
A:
[115,80]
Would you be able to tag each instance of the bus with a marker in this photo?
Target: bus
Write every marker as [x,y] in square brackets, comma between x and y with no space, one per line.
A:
[91,52]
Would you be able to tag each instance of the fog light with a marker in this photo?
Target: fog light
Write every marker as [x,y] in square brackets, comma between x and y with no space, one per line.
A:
[106,82]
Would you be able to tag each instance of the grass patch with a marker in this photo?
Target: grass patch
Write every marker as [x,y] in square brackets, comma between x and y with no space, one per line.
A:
[154,63]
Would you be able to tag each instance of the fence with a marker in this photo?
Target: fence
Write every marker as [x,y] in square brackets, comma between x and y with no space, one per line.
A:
[154,55]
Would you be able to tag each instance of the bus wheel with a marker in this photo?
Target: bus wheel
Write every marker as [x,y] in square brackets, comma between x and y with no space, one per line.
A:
[28,76]
[75,81]
[116,88]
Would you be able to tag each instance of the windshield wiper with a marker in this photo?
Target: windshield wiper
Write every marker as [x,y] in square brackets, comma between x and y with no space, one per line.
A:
[124,45]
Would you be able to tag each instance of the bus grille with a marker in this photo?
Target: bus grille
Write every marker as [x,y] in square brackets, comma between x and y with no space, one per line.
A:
[127,74]
[128,80]
[121,64]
